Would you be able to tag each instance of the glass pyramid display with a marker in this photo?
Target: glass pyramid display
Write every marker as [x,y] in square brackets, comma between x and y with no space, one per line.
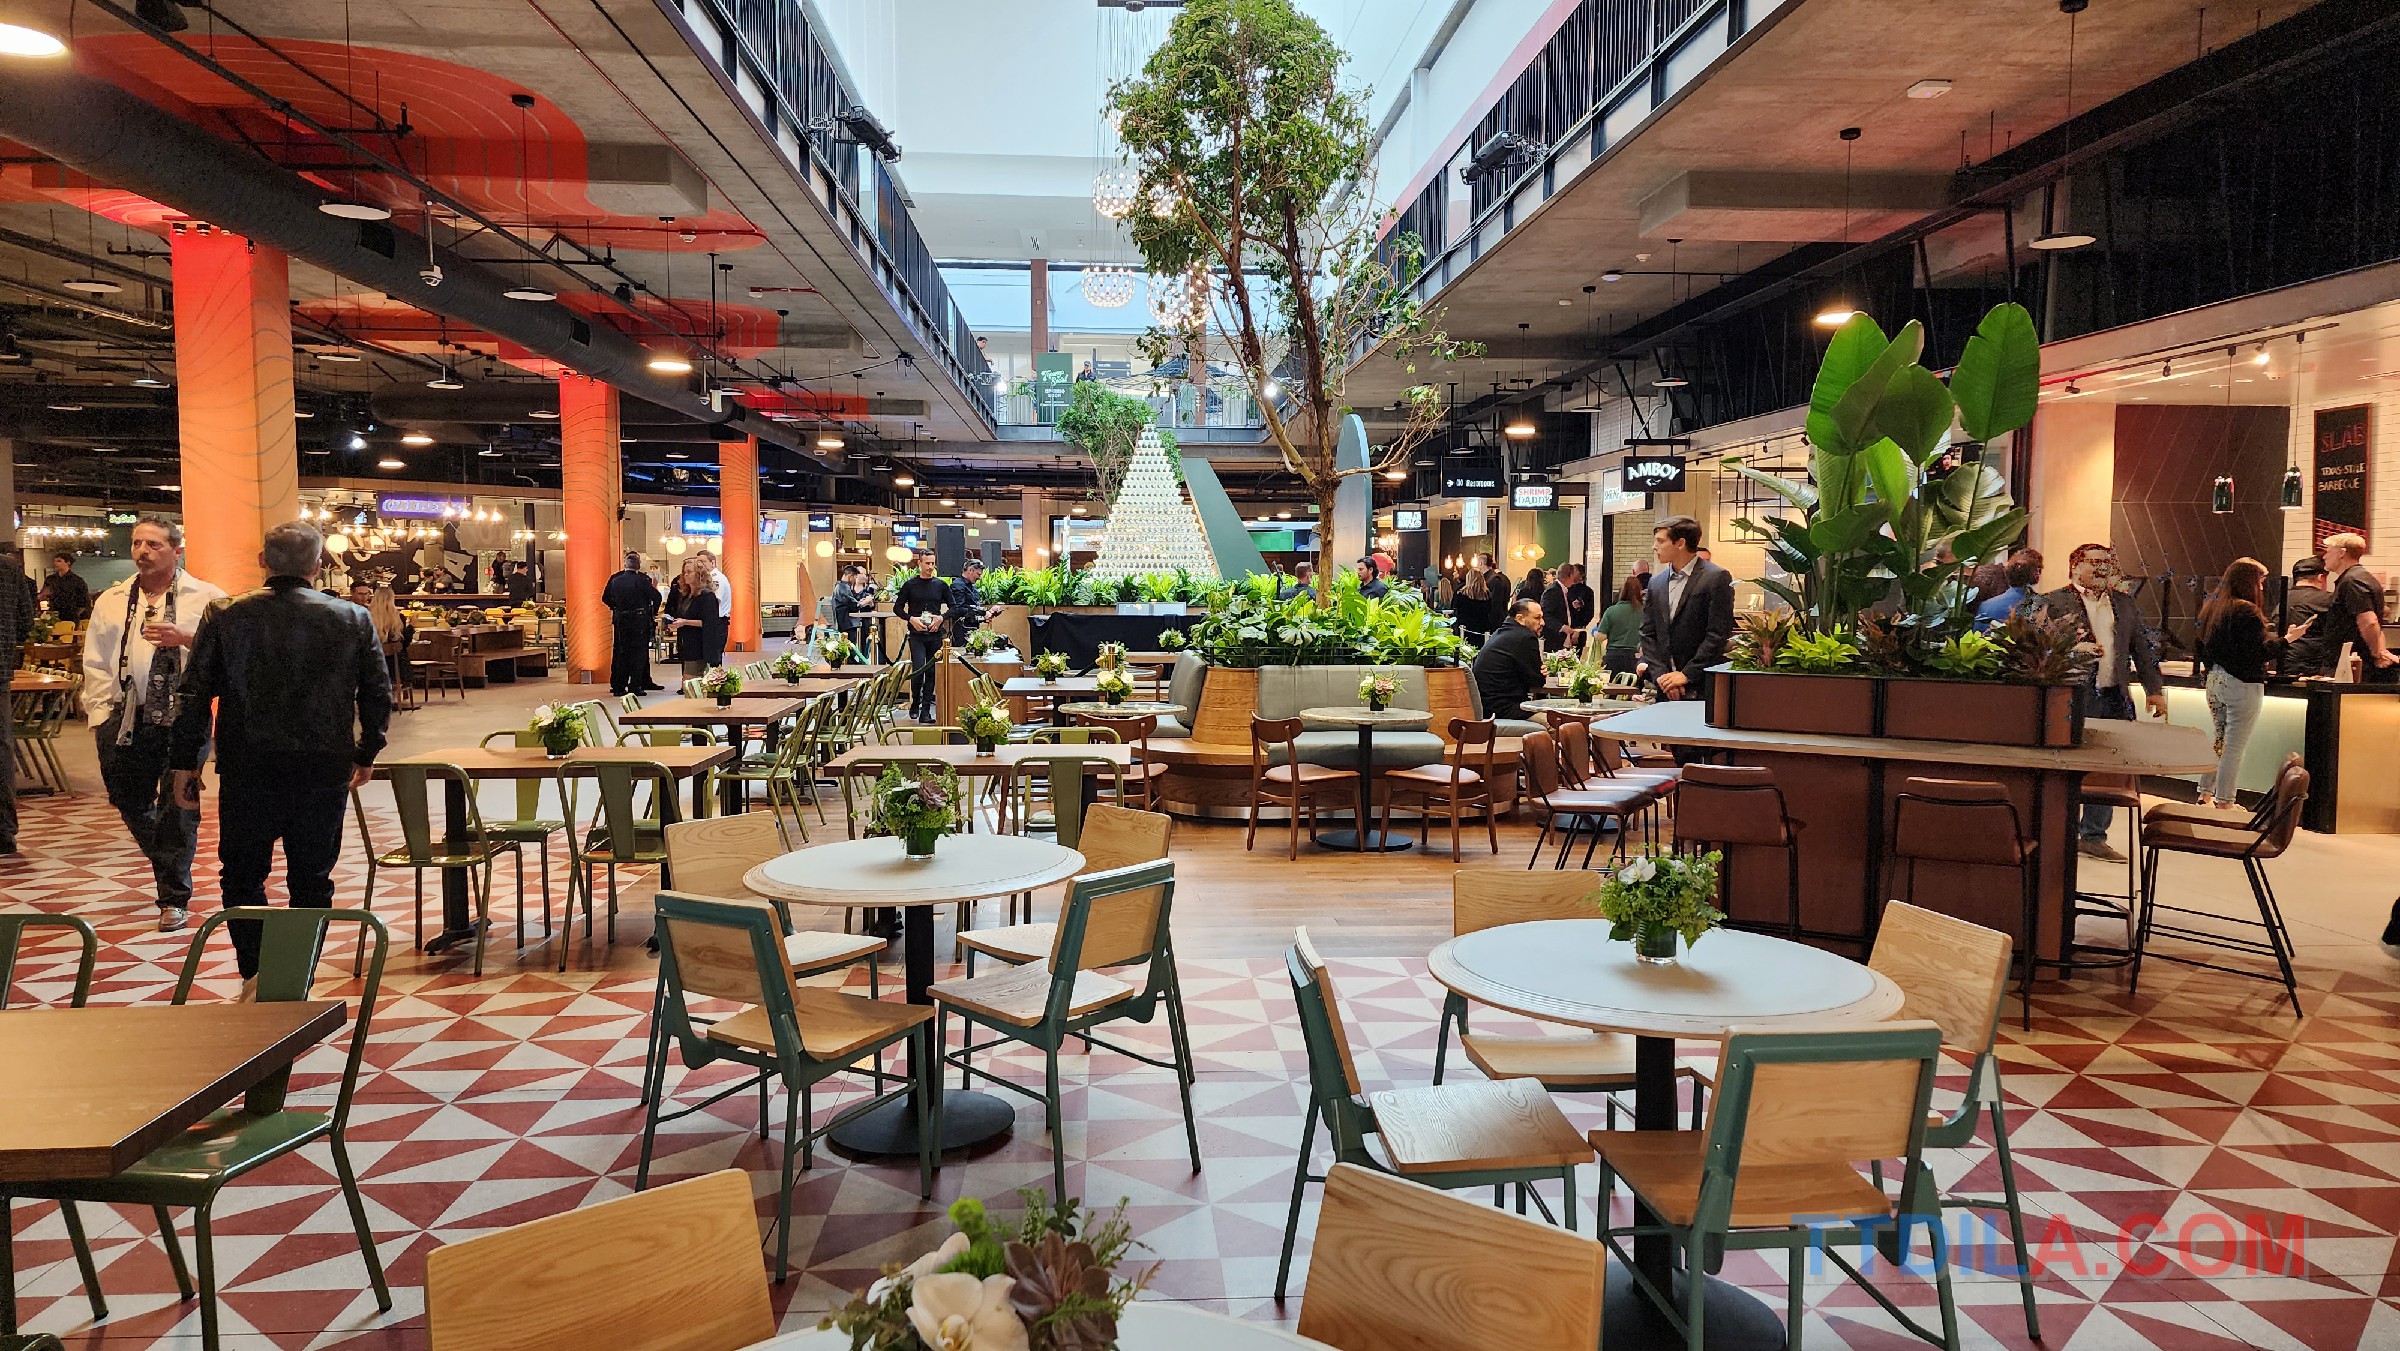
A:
[1151,526]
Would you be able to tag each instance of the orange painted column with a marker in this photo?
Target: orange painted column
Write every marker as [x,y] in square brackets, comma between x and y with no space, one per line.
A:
[737,508]
[592,494]
[233,392]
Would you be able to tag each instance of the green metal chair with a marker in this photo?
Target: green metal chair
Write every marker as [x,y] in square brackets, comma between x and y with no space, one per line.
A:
[733,950]
[12,935]
[1796,1108]
[530,827]
[1048,789]
[622,832]
[232,1142]
[779,771]
[424,844]
[1111,919]
[1458,1135]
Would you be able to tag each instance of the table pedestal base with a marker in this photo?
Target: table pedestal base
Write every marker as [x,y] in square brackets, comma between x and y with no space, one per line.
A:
[1731,1318]
[1377,841]
[889,1133]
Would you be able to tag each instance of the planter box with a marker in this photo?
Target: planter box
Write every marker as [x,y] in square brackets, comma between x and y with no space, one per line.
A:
[1982,712]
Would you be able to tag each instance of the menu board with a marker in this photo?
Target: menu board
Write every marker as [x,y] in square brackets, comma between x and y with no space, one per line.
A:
[2341,472]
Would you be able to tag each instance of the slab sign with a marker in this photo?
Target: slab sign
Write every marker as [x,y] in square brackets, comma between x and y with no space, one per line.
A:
[1653,473]
[1053,383]
[2341,472]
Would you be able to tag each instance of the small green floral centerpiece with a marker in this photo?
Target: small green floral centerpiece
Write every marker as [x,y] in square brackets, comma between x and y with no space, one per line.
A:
[1113,687]
[982,641]
[789,666]
[1656,897]
[917,807]
[836,650]
[1111,656]
[1051,665]
[1174,640]
[561,727]
[987,723]
[1560,662]
[1049,1283]
[721,683]
[1378,691]
[1585,683]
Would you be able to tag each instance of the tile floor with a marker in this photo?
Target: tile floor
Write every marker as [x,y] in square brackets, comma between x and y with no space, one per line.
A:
[2147,1129]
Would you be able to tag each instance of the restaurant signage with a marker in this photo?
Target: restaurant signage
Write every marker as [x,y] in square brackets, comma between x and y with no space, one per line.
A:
[1408,518]
[411,507]
[124,518]
[1534,496]
[1486,479]
[820,522]
[1650,472]
[1053,383]
[2341,472]
[1615,497]
[703,521]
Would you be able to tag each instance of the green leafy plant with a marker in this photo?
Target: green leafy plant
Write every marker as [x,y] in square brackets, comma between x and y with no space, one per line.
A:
[985,723]
[1818,653]
[561,727]
[1173,640]
[1968,656]
[982,641]
[2043,650]
[1758,639]
[920,799]
[1560,662]
[1045,588]
[719,682]
[1106,426]
[788,665]
[834,649]
[1003,585]
[1586,682]
[1662,891]
[1108,656]
[1112,686]
[1887,644]
[1051,665]
[1064,1290]
[1377,691]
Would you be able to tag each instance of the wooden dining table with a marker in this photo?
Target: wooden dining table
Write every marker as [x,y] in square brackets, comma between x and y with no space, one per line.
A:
[1569,971]
[513,763]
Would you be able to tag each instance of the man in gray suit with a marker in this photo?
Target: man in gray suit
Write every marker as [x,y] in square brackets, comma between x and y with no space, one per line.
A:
[1687,612]
[2112,632]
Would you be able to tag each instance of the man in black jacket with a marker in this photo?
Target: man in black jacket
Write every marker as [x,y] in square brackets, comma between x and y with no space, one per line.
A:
[1508,670]
[1566,608]
[632,600]
[16,621]
[967,610]
[68,596]
[301,701]
[1687,614]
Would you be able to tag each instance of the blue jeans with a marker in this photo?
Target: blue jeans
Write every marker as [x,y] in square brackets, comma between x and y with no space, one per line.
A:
[2116,705]
[2233,705]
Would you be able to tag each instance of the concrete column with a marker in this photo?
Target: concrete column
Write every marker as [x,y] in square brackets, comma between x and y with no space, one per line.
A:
[737,508]
[1034,538]
[2073,479]
[1038,300]
[592,493]
[233,390]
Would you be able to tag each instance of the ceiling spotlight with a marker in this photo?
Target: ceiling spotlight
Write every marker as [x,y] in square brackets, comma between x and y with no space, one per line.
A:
[391,462]
[2261,358]
[1283,515]
[448,379]
[2072,389]
[416,439]
[355,210]
[1612,275]
[18,39]
[545,414]
[1834,316]
[904,480]
[2058,240]
[949,501]
[92,286]
[670,363]
[1928,89]
[357,442]
[1077,511]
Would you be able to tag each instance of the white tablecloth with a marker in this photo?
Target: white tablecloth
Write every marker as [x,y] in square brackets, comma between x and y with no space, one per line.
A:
[1149,1325]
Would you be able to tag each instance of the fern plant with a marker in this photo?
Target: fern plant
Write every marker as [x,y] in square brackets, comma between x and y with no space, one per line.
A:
[1968,656]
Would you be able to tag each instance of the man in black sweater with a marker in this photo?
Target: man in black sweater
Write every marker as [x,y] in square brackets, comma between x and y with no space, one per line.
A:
[967,610]
[923,603]
[1508,670]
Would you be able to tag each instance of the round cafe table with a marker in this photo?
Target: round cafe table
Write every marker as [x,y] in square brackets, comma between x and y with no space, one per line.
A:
[1146,1325]
[876,873]
[1581,708]
[1130,708]
[1569,971]
[1366,839]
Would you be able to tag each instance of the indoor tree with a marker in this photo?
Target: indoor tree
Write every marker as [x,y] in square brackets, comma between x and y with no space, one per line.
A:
[1257,194]
[1107,425]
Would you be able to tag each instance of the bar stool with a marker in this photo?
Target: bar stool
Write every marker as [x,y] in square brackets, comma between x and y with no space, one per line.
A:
[1974,823]
[2172,828]
[2113,790]
[1739,804]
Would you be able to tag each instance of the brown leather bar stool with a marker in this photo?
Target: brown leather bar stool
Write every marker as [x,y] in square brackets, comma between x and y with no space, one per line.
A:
[1975,823]
[1739,804]
[2173,828]
[1570,810]
[1585,761]
[2115,790]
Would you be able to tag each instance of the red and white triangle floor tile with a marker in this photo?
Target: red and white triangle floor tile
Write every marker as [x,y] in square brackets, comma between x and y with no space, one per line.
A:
[2200,1169]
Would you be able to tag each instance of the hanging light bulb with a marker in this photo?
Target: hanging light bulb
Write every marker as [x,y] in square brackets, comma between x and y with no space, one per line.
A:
[2291,488]
[2220,495]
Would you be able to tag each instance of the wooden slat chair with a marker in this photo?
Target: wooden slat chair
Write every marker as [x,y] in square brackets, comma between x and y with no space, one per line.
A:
[779,772]
[732,950]
[1047,791]
[675,1268]
[230,1143]
[1576,1062]
[1111,919]
[1445,1135]
[1775,1167]
[711,856]
[1139,779]
[1569,810]
[1400,1265]
[425,847]
[1464,779]
[13,927]
[621,832]
[1287,782]
[1113,837]
[809,730]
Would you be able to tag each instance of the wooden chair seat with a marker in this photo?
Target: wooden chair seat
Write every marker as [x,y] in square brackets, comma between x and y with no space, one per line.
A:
[1652,781]
[1664,1167]
[832,1024]
[1308,775]
[1607,801]
[1450,1128]
[1585,1058]
[810,951]
[2221,838]
[1433,777]
[1018,995]
[1015,943]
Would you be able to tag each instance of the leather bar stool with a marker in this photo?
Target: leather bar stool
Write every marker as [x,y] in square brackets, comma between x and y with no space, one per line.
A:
[2115,790]
[2170,828]
[1739,805]
[1974,823]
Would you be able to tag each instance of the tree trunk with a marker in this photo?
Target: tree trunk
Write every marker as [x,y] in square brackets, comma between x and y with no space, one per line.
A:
[1326,492]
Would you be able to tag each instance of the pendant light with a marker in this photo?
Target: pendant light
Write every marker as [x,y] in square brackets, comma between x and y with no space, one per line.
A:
[2220,493]
[2293,489]
[527,290]
[1837,311]
[355,206]
[19,36]
[2053,239]
[1520,423]
[91,284]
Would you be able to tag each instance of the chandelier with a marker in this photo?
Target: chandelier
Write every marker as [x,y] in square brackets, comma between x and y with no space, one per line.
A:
[1108,286]
[1179,302]
[1113,191]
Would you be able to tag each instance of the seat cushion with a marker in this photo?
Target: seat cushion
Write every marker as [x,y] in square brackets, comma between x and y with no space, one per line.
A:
[1283,691]
[2227,839]
[1664,1168]
[1183,691]
[1468,1127]
[1018,996]
[1171,727]
[1393,750]
[1628,798]
[1307,773]
[1433,776]
[1516,726]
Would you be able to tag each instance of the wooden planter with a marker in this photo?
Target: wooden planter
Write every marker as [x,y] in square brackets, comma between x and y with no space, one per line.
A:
[1982,712]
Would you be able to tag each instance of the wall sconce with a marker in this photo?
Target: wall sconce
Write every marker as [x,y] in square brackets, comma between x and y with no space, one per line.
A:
[2291,488]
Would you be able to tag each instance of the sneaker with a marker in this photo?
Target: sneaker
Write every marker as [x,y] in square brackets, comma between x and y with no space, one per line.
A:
[172,917]
[249,994]
[2099,849]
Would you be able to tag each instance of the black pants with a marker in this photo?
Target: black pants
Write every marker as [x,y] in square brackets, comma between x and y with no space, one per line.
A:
[254,810]
[8,782]
[924,652]
[141,788]
[1617,660]
[629,658]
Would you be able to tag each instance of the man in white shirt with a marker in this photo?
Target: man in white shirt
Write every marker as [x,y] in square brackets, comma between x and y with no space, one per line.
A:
[132,669]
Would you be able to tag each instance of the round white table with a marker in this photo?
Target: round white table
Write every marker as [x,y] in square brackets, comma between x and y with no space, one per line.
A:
[877,873]
[1147,1325]
[1366,839]
[1569,971]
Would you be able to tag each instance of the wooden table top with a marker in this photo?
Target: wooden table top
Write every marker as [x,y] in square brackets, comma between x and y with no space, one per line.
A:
[530,762]
[1062,685]
[1128,708]
[33,682]
[706,713]
[1003,759]
[854,671]
[1359,715]
[92,1090]
[877,872]
[1569,971]
[807,687]
[1598,708]
[2109,747]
